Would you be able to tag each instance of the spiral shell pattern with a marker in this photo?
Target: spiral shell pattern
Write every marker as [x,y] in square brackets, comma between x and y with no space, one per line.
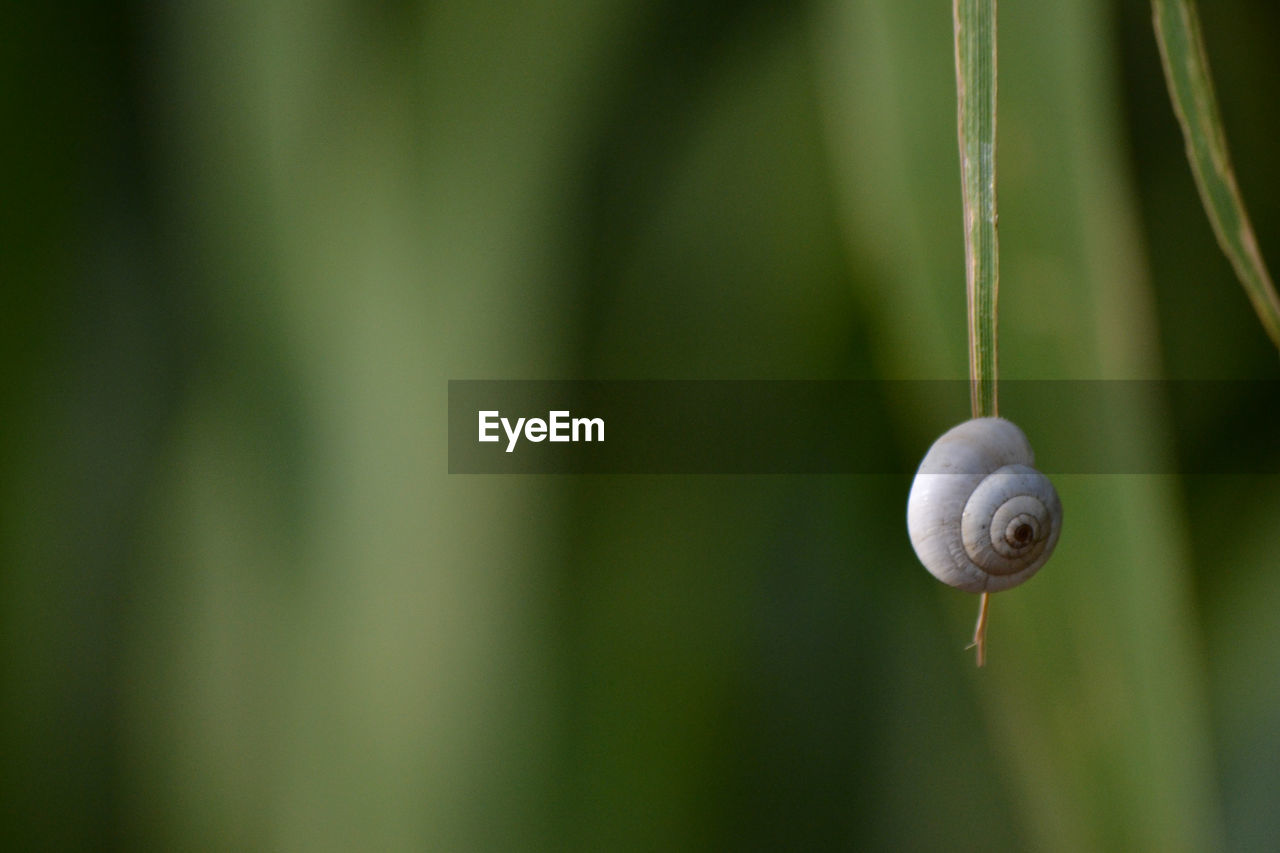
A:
[981,518]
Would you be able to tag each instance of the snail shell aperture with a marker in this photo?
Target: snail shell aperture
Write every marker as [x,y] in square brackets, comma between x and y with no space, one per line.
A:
[980,517]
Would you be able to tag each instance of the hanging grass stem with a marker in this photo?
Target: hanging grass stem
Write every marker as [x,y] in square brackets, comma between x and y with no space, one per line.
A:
[975,37]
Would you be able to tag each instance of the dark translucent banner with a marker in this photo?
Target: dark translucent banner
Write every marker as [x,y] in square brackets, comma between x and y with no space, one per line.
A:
[852,427]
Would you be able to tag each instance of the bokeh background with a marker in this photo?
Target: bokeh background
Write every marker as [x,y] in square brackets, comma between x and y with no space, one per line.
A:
[246,244]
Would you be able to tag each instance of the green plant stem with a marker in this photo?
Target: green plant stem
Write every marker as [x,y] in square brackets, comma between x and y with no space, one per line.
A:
[975,37]
[1186,70]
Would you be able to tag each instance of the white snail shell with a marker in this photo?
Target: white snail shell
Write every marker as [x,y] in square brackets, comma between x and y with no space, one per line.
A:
[980,517]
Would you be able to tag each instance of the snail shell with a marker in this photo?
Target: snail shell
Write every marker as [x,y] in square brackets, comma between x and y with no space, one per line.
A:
[980,517]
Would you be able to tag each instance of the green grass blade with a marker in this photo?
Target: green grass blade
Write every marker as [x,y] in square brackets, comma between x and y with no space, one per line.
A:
[975,34]
[1186,69]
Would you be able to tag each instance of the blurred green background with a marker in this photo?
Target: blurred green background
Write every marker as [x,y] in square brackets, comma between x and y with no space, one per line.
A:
[246,608]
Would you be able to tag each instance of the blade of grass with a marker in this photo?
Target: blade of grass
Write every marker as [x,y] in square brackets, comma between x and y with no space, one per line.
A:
[1186,70]
[975,37]
[975,34]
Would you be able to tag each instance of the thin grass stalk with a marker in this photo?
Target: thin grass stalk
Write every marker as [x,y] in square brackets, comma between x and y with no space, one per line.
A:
[975,49]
